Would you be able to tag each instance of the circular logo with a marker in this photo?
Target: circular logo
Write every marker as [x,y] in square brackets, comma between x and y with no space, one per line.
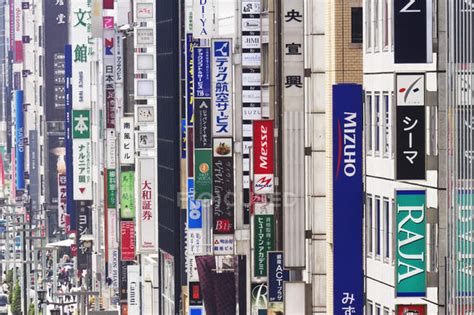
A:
[204,168]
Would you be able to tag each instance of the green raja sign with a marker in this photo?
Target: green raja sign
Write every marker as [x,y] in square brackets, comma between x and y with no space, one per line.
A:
[127,195]
[203,174]
[410,265]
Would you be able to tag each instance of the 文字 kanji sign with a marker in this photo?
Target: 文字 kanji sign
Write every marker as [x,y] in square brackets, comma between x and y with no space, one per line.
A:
[81,124]
[147,215]
[82,162]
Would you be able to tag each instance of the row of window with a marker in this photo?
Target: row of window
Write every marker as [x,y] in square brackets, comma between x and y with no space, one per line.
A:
[379,123]
[378,25]
[377,309]
[379,228]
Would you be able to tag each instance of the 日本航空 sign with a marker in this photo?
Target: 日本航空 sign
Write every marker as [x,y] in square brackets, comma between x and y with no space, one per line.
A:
[410,263]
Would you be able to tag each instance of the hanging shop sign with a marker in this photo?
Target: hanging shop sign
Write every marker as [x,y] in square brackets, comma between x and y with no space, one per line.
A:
[194,208]
[263,156]
[277,275]
[82,158]
[62,199]
[127,240]
[133,289]
[411,146]
[19,144]
[413,31]
[84,227]
[410,263]
[148,208]
[111,149]
[222,88]
[111,188]
[411,310]
[223,244]
[203,174]
[347,211]
[127,195]
[264,236]
[127,141]
[203,19]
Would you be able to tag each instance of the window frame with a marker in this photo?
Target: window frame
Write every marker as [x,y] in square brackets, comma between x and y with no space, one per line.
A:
[370,124]
[353,10]
[378,227]
[387,125]
[368,25]
[387,223]
[378,124]
[369,226]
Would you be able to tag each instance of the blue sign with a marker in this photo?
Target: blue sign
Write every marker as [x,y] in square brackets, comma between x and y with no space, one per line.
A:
[348,199]
[194,208]
[202,72]
[20,146]
[189,68]
[183,138]
[195,311]
[276,276]
[68,136]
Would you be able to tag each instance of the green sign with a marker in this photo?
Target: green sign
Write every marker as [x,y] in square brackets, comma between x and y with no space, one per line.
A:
[264,241]
[203,174]
[127,195]
[410,271]
[81,123]
[111,188]
[465,245]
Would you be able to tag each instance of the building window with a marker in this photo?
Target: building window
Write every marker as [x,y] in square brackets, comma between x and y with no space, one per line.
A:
[378,227]
[368,25]
[370,122]
[356,24]
[385,24]
[376,25]
[387,230]
[387,125]
[378,309]
[378,123]
[370,308]
[386,311]
[368,227]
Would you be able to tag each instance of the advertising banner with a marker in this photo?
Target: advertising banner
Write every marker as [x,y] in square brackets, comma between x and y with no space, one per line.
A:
[465,243]
[109,48]
[264,236]
[410,263]
[203,174]
[411,310]
[127,141]
[223,244]
[258,298]
[194,208]
[223,186]
[195,294]
[190,44]
[127,240]
[34,174]
[68,135]
[411,146]
[202,125]
[127,195]
[84,227]
[263,156]
[276,276]
[62,199]
[348,197]
[204,19]
[111,188]
[19,145]
[133,289]
[82,157]
[147,218]
[412,31]
[202,72]
[222,88]
[111,147]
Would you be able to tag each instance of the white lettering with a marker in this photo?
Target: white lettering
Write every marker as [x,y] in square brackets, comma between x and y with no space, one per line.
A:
[350,144]
[406,8]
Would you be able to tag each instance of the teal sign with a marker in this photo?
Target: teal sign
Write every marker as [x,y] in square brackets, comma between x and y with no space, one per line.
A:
[465,244]
[410,271]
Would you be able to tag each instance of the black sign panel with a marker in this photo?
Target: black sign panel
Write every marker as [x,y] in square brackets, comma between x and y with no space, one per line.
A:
[223,186]
[202,123]
[411,142]
[195,295]
[123,279]
[84,227]
[410,28]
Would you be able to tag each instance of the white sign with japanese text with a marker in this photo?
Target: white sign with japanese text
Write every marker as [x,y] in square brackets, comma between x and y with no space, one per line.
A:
[82,157]
[222,87]
[127,141]
[223,244]
[147,212]
[111,140]
[203,19]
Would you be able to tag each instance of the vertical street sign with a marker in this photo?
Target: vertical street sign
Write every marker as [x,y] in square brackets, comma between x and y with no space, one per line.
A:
[263,156]
[410,263]
[264,236]
[411,146]
[222,119]
[348,198]
[127,195]
[413,31]
[147,216]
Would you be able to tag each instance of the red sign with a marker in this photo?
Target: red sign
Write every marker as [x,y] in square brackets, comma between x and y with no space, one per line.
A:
[108,4]
[411,310]
[127,240]
[263,156]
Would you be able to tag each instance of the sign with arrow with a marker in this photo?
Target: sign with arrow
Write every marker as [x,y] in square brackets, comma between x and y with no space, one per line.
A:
[82,161]
[202,123]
